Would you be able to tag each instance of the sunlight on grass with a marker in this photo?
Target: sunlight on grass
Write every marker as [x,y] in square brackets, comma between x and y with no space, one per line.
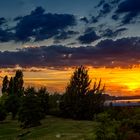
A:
[52,128]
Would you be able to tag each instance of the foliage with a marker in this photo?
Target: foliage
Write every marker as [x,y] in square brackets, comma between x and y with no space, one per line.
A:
[79,102]
[31,111]
[12,105]
[15,85]
[111,128]
[18,83]
[54,101]
[5,84]
[3,113]
[11,87]
[43,96]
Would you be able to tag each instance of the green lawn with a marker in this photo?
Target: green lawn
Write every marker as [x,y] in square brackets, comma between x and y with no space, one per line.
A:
[52,128]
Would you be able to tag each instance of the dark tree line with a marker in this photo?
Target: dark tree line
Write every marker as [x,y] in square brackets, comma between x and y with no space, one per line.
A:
[29,105]
[80,101]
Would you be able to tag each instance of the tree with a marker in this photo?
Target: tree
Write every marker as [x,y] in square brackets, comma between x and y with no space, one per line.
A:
[79,101]
[95,99]
[5,84]
[79,83]
[14,89]
[31,111]
[72,103]
[11,87]
[3,113]
[18,83]
[43,96]
[12,105]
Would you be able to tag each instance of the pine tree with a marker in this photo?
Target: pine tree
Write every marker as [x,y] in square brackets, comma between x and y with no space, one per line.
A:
[11,87]
[72,104]
[79,101]
[31,111]
[5,85]
[18,83]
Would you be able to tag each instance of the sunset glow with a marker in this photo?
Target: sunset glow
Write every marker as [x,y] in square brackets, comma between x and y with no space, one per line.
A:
[118,81]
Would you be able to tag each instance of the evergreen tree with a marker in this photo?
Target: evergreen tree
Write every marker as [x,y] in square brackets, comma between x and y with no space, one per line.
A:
[31,111]
[15,90]
[3,112]
[43,96]
[79,101]
[72,104]
[12,105]
[11,87]
[5,85]
[18,83]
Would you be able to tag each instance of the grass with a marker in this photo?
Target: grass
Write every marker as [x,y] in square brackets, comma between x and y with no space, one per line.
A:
[52,128]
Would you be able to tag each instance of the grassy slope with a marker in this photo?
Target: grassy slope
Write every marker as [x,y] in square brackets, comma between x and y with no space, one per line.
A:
[52,128]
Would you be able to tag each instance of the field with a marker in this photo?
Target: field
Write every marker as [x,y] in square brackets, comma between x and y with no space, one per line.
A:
[52,128]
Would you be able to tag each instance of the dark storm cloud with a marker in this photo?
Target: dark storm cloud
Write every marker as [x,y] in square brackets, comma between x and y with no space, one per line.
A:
[113,33]
[88,37]
[100,3]
[131,9]
[65,35]
[94,19]
[104,8]
[122,52]
[18,18]
[84,19]
[40,25]
[115,17]
[5,35]
[2,20]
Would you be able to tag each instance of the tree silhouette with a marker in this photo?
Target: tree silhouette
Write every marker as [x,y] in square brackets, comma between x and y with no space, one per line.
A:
[31,111]
[18,83]
[14,89]
[79,101]
[43,96]
[5,85]
[11,87]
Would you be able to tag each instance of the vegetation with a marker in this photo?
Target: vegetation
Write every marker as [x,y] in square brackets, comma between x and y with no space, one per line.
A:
[3,113]
[31,109]
[52,128]
[79,101]
[124,126]
[30,112]
[102,127]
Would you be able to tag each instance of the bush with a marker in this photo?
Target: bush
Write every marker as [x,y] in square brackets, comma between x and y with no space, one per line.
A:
[12,105]
[30,112]
[3,113]
[54,101]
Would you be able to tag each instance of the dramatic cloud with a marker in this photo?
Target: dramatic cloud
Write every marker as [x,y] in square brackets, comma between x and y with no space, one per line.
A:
[2,20]
[40,25]
[88,37]
[84,19]
[65,35]
[113,33]
[120,53]
[100,3]
[106,9]
[5,35]
[131,8]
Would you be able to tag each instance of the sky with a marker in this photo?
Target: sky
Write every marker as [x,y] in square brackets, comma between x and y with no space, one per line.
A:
[103,35]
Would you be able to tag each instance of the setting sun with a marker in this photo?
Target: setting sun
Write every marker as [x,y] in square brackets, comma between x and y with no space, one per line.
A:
[118,81]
